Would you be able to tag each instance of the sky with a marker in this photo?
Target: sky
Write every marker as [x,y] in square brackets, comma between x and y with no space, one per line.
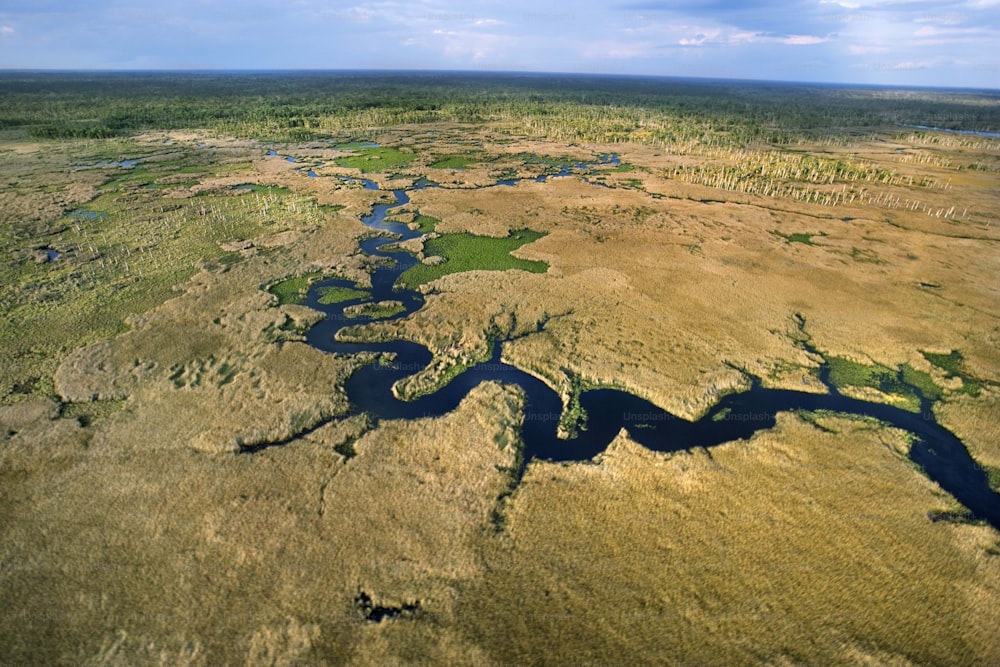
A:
[895,42]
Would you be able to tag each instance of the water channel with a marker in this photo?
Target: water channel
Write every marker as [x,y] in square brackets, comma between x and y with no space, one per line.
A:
[941,455]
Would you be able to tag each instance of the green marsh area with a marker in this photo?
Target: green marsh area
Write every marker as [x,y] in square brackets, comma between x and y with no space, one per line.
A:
[468,252]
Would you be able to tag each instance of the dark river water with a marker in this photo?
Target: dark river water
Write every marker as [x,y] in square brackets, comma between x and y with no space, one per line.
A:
[941,455]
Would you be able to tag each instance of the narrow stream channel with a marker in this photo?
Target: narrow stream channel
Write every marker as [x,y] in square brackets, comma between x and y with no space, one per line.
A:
[941,455]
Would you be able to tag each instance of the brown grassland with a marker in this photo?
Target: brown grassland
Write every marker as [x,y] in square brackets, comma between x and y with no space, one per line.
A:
[134,532]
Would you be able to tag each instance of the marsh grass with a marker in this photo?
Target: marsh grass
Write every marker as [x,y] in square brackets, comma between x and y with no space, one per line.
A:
[382,159]
[425,223]
[293,290]
[333,294]
[953,366]
[783,553]
[809,544]
[454,162]
[265,189]
[91,412]
[922,381]
[375,311]
[468,252]
[902,382]
[123,251]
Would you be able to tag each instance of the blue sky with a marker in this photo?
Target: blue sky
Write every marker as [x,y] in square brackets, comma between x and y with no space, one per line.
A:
[904,42]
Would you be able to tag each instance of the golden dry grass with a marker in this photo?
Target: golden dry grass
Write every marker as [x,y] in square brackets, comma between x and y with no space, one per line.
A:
[134,554]
[800,546]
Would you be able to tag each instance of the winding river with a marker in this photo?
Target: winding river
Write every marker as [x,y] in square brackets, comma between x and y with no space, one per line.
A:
[940,454]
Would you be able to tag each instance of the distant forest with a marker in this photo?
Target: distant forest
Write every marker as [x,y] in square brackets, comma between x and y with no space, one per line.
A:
[302,106]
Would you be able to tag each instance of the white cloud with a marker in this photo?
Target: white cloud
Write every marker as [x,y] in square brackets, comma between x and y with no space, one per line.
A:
[744,37]
[865,49]
[6,30]
[477,46]
[905,66]
[358,14]
[931,31]
[700,37]
[800,40]
[718,36]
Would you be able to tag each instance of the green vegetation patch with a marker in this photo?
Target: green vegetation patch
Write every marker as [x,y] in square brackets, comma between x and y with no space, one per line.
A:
[722,415]
[546,160]
[818,418]
[426,223]
[93,411]
[265,189]
[454,162]
[376,159]
[847,373]
[797,237]
[906,381]
[293,290]
[922,381]
[992,476]
[375,310]
[122,253]
[468,252]
[335,294]
[952,364]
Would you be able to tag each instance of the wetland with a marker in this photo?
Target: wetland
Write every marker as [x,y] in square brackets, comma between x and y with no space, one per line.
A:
[387,368]
[605,411]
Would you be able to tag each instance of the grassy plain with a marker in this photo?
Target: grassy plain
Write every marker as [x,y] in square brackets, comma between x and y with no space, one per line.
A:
[164,340]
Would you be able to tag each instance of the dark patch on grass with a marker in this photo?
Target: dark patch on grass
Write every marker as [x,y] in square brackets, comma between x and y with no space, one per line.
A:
[377,613]
[962,516]
[346,449]
[26,386]
[797,237]
[865,255]
[265,189]
[811,417]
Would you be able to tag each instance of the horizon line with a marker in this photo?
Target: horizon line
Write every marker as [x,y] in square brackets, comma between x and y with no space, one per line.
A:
[541,73]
